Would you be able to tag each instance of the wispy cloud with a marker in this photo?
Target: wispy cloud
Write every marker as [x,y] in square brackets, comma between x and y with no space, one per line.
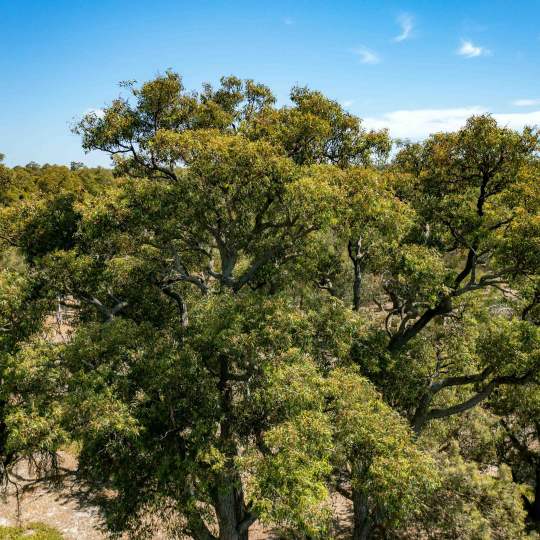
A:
[367,56]
[470,50]
[347,103]
[288,21]
[406,22]
[418,124]
[526,102]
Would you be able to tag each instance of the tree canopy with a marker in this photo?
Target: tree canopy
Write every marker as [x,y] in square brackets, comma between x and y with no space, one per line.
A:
[263,307]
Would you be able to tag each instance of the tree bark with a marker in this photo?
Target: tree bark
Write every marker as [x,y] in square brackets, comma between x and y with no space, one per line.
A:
[357,286]
[420,416]
[534,508]
[233,516]
[180,302]
[398,341]
[354,248]
[231,511]
[362,527]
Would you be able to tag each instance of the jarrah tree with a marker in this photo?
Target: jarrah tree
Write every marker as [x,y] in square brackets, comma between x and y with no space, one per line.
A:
[473,242]
[254,180]
[211,369]
[24,309]
[469,192]
[20,317]
[519,445]
[166,272]
[518,413]
[465,239]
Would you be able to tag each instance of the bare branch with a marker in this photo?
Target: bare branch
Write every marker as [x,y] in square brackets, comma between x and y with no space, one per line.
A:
[108,313]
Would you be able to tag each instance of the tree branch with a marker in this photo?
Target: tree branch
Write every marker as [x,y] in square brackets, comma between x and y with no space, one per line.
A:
[479,396]
[179,299]
[108,313]
[246,523]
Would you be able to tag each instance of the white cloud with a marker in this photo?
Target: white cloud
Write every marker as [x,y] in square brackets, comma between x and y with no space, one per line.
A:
[518,120]
[100,113]
[420,123]
[347,103]
[470,50]
[526,102]
[406,23]
[367,56]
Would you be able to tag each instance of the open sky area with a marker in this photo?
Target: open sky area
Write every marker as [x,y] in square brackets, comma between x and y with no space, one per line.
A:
[415,67]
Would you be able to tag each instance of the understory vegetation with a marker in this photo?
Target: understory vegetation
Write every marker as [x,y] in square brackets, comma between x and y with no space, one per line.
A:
[260,306]
[33,531]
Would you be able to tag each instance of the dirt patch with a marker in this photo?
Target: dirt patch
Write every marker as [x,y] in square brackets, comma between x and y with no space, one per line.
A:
[62,507]
[67,508]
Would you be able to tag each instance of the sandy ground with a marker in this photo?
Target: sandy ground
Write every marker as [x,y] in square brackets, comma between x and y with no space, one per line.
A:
[63,507]
[67,508]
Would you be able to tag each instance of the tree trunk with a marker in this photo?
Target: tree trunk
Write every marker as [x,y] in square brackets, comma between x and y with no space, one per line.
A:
[534,508]
[355,254]
[230,510]
[362,526]
[233,516]
[357,285]
[420,416]
[398,341]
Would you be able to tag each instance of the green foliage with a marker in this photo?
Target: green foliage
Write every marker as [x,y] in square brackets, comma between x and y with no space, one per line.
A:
[210,366]
[25,182]
[288,484]
[470,504]
[375,445]
[35,531]
[135,396]
[418,275]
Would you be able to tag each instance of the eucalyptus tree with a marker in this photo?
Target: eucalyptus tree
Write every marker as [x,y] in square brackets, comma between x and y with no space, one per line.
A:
[475,192]
[473,241]
[25,306]
[519,448]
[179,349]
[519,413]
[206,377]
[21,315]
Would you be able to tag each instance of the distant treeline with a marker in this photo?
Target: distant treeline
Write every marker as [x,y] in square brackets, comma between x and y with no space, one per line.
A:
[21,181]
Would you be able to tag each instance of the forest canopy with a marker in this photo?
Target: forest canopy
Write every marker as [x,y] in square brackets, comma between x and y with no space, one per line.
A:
[260,308]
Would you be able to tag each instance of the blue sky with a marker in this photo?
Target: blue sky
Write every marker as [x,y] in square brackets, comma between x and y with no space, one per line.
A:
[414,67]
